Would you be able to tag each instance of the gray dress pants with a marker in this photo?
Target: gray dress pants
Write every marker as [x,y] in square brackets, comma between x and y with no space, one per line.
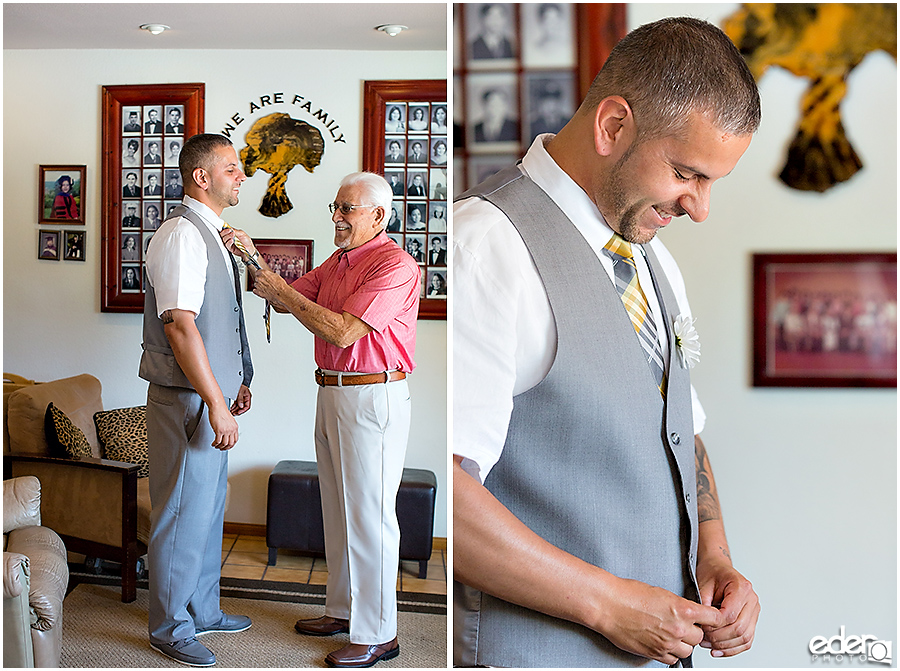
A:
[188,480]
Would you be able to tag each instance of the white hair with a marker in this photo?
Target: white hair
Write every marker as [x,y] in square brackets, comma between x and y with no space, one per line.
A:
[376,188]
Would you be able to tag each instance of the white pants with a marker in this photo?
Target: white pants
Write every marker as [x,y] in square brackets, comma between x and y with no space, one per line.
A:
[361,436]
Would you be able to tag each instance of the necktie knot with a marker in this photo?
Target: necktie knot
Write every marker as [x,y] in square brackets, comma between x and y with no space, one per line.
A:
[620,246]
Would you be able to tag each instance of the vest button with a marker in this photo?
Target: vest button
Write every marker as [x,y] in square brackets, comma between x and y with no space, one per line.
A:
[687,497]
[238,329]
[240,352]
[676,439]
[236,309]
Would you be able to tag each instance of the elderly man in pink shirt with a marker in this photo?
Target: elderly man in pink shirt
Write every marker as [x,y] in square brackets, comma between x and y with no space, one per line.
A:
[362,305]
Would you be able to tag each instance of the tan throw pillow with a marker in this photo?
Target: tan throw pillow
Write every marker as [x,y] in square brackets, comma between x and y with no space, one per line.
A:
[123,436]
[63,437]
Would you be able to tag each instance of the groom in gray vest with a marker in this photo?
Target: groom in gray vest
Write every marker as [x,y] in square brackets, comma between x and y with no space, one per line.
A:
[197,361]
[587,530]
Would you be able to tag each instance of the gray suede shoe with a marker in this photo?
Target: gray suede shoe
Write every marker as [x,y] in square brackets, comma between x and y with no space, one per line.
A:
[230,624]
[189,651]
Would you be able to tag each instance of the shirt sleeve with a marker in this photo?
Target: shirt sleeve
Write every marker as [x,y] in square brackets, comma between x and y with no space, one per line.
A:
[176,267]
[308,284]
[385,293]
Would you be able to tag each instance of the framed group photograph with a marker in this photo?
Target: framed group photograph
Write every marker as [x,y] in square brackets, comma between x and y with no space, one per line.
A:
[825,320]
[406,140]
[61,194]
[144,128]
[288,258]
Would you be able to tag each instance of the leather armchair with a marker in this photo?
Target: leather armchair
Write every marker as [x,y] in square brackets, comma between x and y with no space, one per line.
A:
[35,577]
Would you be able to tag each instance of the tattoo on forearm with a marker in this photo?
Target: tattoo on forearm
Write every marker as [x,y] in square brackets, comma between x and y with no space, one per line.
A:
[707,497]
[167,317]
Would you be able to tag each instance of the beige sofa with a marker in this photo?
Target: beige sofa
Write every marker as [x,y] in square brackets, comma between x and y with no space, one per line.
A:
[35,577]
[99,507]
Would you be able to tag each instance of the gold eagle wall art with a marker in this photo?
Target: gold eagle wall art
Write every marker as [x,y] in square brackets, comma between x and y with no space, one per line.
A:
[822,42]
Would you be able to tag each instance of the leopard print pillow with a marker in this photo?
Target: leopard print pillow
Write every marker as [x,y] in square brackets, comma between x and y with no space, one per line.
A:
[123,436]
[63,437]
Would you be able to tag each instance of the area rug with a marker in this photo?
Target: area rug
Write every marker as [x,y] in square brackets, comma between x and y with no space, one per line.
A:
[99,631]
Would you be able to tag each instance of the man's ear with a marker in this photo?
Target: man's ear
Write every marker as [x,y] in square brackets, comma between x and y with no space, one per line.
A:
[614,127]
[200,178]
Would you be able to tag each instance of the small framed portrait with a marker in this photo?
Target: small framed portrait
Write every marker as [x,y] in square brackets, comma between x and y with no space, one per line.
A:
[492,112]
[415,217]
[417,184]
[415,247]
[172,152]
[395,221]
[174,124]
[152,218]
[173,187]
[418,151]
[131,120]
[550,102]
[73,249]
[548,35]
[48,245]
[395,118]
[152,152]
[131,247]
[438,153]
[131,278]
[397,239]
[437,250]
[437,217]
[146,243]
[482,167]
[61,189]
[397,180]
[168,207]
[290,259]
[439,119]
[438,183]
[131,152]
[131,186]
[419,118]
[153,124]
[436,286]
[395,150]
[132,218]
[491,35]
[152,185]
[825,320]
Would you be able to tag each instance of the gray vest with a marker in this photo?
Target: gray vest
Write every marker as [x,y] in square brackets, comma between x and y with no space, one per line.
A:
[220,322]
[594,462]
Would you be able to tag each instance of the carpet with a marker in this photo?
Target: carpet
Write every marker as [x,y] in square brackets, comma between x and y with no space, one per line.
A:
[99,631]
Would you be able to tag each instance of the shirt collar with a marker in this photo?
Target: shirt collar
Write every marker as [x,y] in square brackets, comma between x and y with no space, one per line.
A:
[357,253]
[205,212]
[568,196]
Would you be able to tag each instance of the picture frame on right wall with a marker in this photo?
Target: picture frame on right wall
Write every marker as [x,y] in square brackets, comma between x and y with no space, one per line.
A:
[825,320]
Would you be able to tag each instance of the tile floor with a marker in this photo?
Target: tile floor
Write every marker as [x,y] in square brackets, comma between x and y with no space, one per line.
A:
[247,557]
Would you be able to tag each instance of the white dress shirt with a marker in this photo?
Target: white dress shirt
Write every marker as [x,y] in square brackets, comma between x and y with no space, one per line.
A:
[176,260]
[504,334]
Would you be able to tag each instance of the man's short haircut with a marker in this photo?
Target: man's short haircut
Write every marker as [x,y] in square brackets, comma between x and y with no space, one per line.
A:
[375,187]
[199,151]
[667,69]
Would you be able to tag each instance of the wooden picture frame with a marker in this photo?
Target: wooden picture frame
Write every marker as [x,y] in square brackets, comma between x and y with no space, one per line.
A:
[270,249]
[74,244]
[419,179]
[143,128]
[825,320]
[48,245]
[61,194]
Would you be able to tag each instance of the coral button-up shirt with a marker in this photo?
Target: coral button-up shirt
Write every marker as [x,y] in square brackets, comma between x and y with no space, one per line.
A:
[377,282]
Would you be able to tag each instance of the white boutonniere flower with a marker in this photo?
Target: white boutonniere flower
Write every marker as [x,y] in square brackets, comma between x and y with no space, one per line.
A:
[687,342]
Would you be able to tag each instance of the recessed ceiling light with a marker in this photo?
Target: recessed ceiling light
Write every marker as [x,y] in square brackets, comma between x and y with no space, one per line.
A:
[392,29]
[154,28]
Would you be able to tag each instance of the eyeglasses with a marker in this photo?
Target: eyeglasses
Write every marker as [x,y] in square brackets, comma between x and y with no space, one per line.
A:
[345,208]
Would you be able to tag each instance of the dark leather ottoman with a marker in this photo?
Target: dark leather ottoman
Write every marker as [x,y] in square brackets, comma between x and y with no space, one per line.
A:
[294,512]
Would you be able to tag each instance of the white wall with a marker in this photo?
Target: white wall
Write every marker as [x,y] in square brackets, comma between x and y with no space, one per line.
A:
[52,324]
[807,477]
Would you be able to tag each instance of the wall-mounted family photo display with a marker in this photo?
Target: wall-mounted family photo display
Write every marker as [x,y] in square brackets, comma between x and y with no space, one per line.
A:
[144,128]
[406,140]
[60,194]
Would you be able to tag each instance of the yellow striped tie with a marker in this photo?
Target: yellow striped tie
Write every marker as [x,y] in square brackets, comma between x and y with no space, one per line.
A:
[629,288]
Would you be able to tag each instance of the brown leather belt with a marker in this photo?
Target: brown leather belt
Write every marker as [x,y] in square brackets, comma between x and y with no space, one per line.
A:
[349,379]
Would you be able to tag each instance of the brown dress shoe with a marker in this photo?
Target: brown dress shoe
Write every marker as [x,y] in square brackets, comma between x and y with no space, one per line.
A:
[358,656]
[323,626]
